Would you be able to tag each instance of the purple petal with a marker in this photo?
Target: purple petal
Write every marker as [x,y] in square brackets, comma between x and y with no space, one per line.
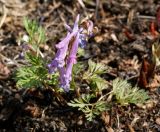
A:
[68,27]
[65,41]
[75,28]
[64,82]
[66,76]
[52,66]
[82,40]
[90,28]
[74,49]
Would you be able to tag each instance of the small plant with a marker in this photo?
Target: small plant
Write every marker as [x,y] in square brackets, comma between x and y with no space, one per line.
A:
[34,74]
[91,110]
[126,94]
[63,70]
[37,72]
[97,84]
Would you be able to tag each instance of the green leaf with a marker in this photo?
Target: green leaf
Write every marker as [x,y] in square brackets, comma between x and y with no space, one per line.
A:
[28,77]
[126,94]
[96,82]
[34,60]
[32,75]
[91,110]
[81,52]
[36,34]
[78,68]
[96,68]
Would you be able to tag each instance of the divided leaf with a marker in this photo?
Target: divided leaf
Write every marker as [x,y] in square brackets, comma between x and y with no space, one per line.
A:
[126,94]
[96,68]
[92,75]
[36,33]
[91,110]
[33,75]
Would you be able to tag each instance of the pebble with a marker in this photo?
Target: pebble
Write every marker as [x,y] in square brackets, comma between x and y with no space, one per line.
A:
[80,120]
[158,120]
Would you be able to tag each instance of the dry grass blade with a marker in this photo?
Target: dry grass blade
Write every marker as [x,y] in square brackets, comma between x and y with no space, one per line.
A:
[2,20]
[131,128]
[81,3]
[130,17]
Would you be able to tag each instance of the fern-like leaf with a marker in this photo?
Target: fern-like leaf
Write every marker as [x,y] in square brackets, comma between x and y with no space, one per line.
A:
[126,94]
[91,110]
[92,76]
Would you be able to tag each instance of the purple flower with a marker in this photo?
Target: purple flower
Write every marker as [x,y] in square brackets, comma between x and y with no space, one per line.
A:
[65,57]
[59,60]
[82,40]
[67,75]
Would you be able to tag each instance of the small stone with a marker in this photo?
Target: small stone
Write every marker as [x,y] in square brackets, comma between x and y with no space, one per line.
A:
[150,105]
[25,38]
[98,39]
[145,124]
[17,96]
[158,121]
[80,121]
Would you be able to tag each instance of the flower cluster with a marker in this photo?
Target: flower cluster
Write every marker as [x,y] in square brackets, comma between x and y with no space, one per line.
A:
[67,49]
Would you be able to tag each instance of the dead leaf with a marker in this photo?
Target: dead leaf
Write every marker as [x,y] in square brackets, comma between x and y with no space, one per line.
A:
[109,129]
[106,118]
[129,35]
[130,17]
[146,73]
[4,71]
[155,82]
[158,18]
[131,128]
[158,121]
[153,29]
[32,109]
[98,39]
[114,37]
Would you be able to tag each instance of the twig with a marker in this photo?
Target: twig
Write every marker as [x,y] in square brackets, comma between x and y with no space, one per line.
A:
[10,4]
[117,120]
[4,15]
[97,7]
[146,17]
[81,3]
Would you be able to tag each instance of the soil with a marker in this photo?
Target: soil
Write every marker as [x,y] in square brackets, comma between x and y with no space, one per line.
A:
[126,32]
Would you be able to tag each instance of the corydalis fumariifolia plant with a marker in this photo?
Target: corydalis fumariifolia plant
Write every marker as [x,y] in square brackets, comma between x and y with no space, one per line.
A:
[123,91]
[126,94]
[61,66]
[97,84]
[92,76]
